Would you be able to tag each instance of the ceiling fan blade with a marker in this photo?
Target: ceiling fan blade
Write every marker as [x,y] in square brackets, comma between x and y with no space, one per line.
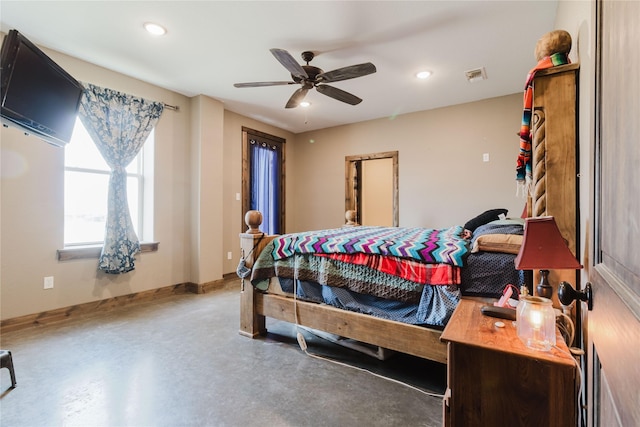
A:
[260,84]
[338,94]
[297,98]
[346,73]
[289,63]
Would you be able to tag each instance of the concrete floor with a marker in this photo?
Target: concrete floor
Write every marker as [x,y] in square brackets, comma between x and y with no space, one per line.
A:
[180,361]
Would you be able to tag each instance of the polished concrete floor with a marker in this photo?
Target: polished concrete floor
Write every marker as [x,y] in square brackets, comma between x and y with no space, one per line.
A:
[180,361]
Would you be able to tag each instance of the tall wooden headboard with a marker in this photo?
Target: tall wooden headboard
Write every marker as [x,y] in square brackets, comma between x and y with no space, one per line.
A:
[555,157]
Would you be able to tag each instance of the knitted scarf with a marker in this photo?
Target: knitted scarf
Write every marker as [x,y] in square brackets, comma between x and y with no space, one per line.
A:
[523,164]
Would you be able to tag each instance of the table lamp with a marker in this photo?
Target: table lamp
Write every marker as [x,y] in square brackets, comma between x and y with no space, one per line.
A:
[544,248]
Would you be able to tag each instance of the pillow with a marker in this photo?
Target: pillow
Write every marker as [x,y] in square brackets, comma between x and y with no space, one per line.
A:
[508,221]
[484,218]
[506,243]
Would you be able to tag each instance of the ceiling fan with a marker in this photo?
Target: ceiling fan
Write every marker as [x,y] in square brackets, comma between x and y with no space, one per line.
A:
[309,77]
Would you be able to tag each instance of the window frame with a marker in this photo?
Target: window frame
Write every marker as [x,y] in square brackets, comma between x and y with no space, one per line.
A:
[91,249]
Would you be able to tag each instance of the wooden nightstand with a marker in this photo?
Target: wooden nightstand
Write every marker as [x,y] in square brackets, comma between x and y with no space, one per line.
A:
[495,380]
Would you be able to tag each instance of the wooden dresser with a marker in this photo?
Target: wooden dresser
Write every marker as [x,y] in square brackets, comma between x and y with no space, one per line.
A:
[495,380]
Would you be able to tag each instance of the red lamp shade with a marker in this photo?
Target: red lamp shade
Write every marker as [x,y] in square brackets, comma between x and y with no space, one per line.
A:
[543,247]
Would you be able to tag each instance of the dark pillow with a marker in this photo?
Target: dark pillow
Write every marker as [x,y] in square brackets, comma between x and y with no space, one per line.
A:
[484,218]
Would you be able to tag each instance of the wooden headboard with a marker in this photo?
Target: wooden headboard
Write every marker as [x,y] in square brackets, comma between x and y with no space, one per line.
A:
[555,157]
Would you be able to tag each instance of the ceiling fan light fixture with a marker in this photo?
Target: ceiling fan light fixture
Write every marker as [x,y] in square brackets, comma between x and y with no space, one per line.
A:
[155,29]
[423,74]
[310,77]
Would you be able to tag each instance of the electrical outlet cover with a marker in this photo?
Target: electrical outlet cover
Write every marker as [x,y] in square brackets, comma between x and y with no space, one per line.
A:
[48,282]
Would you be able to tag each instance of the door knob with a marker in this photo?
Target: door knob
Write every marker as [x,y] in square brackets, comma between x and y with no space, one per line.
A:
[566,294]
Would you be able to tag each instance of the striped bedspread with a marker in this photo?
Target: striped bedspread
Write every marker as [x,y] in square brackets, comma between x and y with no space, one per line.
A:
[432,246]
[392,263]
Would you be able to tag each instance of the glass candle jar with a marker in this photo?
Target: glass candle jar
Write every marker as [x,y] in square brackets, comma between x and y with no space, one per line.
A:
[536,322]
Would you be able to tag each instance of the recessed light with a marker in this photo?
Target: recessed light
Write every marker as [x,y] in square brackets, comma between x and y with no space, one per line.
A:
[155,29]
[423,74]
[305,104]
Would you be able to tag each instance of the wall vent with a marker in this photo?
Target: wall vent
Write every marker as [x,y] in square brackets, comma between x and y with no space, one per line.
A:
[476,75]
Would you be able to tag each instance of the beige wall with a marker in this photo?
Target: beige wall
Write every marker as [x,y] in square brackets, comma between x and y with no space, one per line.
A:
[578,18]
[32,211]
[233,215]
[196,218]
[443,180]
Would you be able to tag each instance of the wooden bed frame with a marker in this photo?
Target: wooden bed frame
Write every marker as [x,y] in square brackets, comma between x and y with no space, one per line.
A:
[555,193]
[255,306]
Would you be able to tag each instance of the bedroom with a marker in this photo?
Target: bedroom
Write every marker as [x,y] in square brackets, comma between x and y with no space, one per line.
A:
[195,191]
[184,208]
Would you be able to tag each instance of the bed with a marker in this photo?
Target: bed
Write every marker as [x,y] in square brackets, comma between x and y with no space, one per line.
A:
[555,186]
[390,287]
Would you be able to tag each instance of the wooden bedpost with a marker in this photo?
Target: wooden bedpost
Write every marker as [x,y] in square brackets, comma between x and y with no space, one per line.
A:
[251,324]
[351,217]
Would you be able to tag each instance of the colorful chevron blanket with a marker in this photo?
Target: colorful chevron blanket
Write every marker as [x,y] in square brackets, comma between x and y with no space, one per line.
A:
[432,246]
[332,272]
[388,262]
[523,162]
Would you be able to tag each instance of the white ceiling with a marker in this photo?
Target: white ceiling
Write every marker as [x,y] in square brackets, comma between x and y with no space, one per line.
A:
[210,45]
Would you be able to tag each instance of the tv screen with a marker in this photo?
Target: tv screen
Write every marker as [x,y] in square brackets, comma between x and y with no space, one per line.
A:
[37,95]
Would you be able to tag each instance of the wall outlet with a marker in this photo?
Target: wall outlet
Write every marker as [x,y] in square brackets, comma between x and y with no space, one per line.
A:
[229,255]
[485,157]
[48,282]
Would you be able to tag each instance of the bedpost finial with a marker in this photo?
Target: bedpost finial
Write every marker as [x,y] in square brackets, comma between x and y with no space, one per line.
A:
[253,219]
[351,216]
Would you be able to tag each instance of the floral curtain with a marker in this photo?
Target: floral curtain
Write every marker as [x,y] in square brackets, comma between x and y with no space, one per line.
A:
[119,124]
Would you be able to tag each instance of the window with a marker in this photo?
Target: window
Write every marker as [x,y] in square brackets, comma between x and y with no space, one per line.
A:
[263,180]
[86,179]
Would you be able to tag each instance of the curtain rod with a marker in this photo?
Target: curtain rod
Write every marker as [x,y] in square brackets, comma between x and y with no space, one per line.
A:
[171,107]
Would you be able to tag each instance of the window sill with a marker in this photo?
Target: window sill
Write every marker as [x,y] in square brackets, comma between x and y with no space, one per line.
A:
[83,252]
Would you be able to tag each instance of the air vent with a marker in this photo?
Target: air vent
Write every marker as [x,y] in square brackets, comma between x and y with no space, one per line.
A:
[476,75]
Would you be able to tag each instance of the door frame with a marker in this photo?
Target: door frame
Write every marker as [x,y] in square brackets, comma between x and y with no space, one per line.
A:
[352,165]
[247,135]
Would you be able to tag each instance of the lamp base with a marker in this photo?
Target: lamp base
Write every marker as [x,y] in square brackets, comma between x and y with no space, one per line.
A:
[544,289]
[538,345]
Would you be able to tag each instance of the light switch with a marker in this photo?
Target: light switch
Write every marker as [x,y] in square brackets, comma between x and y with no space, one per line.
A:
[485,157]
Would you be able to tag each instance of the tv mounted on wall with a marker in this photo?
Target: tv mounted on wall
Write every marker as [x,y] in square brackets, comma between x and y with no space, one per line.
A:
[37,95]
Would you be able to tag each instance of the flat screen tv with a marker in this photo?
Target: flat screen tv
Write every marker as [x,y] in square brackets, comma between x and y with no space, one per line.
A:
[37,95]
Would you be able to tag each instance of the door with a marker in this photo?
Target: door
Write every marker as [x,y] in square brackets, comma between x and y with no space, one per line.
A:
[263,179]
[612,327]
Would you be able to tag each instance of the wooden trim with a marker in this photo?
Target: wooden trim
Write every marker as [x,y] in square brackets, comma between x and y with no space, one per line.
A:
[80,310]
[350,203]
[84,252]
[247,134]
